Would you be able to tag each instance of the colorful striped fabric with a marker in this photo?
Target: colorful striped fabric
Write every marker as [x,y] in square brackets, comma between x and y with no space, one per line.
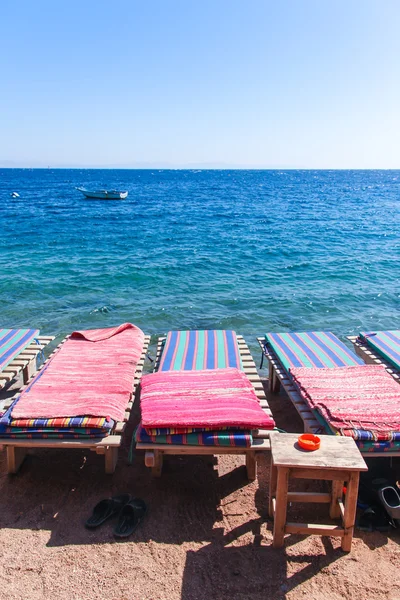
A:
[316,349]
[199,350]
[13,342]
[182,430]
[207,438]
[52,431]
[378,447]
[371,436]
[104,423]
[51,435]
[385,343]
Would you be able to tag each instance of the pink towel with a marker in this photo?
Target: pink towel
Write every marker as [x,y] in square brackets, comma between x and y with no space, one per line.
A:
[213,398]
[92,374]
[361,397]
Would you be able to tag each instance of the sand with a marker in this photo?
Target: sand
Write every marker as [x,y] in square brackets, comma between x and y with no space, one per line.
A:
[207,534]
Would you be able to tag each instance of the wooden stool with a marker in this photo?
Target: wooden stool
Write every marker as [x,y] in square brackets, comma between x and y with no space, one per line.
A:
[337,460]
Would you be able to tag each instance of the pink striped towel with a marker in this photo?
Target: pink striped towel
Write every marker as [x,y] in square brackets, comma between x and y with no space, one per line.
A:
[213,398]
[92,374]
[360,397]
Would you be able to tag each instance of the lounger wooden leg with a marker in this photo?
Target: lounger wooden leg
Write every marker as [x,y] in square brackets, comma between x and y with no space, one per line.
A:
[337,493]
[281,507]
[251,465]
[272,488]
[158,463]
[29,370]
[270,376]
[111,457]
[15,458]
[276,384]
[350,507]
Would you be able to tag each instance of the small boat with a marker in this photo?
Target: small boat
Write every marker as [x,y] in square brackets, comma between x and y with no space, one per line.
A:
[103,194]
[15,195]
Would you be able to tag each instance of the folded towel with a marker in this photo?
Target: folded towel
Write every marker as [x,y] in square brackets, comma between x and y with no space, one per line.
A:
[212,398]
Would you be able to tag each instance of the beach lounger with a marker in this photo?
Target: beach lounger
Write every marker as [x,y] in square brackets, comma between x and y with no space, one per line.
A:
[289,352]
[62,405]
[192,351]
[379,348]
[19,353]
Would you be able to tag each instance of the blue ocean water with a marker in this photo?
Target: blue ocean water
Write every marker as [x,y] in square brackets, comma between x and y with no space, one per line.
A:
[247,250]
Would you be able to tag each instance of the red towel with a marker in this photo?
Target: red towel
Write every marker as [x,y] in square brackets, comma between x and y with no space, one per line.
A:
[92,375]
[213,398]
[362,397]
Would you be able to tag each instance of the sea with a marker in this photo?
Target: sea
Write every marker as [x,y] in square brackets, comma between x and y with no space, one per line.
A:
[249,250]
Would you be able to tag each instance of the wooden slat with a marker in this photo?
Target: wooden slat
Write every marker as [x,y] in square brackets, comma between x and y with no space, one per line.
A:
[314,529]
[308,497]
[111,440]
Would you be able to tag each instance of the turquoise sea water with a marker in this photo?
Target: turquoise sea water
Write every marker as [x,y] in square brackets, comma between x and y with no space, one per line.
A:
[247,250]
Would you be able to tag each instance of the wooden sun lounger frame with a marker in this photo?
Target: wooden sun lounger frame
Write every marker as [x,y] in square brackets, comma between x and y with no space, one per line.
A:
[371,357]
[108,446]
[25,362]
[154,453]
[278,376]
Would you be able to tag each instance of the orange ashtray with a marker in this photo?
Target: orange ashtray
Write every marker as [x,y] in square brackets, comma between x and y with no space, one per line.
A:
[309,441]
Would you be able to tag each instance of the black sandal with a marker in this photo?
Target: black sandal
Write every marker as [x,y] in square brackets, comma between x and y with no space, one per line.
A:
[130,517]
[106,509]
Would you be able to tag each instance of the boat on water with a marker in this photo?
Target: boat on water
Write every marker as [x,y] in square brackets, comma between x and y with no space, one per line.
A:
[103,194]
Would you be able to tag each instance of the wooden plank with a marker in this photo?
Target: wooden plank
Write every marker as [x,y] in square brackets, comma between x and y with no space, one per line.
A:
[111,440]
[308,497]
[349,512]
[324,474]
[336,453]
[314,529]
[259,445]
[280,506]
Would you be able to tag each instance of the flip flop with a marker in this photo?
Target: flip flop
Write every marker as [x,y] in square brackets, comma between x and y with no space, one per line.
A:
[130,517]
[106,509]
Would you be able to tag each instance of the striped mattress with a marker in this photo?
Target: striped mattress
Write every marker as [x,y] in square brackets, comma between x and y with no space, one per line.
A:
[385,343]
[199,350]
[318,349]
[13,342]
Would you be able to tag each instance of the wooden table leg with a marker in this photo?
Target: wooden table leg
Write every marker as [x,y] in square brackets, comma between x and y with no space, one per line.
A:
[251,465]
[158,463]
[337,493]
[15,458]
[110,458]
[281,506]
[350,507]
[272,487]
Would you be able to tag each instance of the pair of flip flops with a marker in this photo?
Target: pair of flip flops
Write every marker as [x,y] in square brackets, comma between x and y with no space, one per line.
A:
[130,513]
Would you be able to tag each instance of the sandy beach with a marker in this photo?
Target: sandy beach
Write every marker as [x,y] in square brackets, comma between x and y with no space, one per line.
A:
[207,534]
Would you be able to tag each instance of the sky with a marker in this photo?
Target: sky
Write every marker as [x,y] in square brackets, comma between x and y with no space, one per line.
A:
[200,83]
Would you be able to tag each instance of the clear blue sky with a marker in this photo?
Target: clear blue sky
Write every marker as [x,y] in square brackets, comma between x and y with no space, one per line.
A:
[250,83]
